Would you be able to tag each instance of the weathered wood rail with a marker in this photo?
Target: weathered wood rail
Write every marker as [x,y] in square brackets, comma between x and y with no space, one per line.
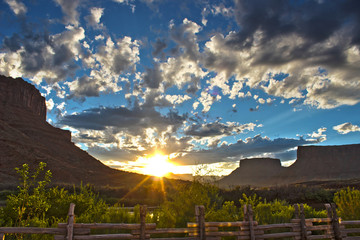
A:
[299,228]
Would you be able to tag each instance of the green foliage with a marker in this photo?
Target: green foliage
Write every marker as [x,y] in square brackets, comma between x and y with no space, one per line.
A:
[180,207]
[119,214]
[278,211]
[29,206]
[227,213]
[348,203]
[252,200]
[38,206]
[311,212]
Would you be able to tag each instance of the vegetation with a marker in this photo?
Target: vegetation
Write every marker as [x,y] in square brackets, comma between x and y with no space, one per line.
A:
[37,204]
[348,203]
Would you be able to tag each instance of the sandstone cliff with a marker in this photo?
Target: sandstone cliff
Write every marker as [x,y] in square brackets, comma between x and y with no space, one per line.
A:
[20,96]
[26,137]
[254,172]
[314,163]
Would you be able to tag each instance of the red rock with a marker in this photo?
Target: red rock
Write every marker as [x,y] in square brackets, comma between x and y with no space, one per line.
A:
[26,137]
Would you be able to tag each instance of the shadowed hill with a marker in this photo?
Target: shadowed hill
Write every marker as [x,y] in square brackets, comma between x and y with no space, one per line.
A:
[26,137]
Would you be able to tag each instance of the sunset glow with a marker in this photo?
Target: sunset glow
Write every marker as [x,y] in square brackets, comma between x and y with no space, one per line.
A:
[156,165]
[206,82]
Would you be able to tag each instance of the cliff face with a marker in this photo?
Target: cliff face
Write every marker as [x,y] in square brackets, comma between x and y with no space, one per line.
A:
[18,95]
[254,172]
[326,163]
[26,137]
[314,163]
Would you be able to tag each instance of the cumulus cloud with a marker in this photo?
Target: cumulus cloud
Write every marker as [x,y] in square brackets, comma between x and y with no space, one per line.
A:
[94,18]
[346,128]
[182,69]
[107,63]
[319,60]
[17,7]
[69,8]
[177,99]
[319,134]
[49,104]
[41,56]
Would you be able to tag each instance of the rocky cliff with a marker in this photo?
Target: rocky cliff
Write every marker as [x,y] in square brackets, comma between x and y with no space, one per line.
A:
[314,163]
[20,96]
[26,137]
[254,172]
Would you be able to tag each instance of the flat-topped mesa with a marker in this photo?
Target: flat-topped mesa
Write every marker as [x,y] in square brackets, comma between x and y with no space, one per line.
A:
[16,93]
[260,164]
[327,162]
[254,172]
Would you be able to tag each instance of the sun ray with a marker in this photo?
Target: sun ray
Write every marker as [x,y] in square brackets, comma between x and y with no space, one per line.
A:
[156,165]
[135,188]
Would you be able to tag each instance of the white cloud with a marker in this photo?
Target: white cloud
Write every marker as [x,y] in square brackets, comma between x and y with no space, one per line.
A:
[177,99]
[49,104]
[99,37]
[261,100]
[51,58]
[206,99]
[305,80]
[69,8]
[346,128]
[17,6]
[94,18]
[319,135]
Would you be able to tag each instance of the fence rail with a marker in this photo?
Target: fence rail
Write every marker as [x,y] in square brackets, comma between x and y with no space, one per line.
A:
[299,228]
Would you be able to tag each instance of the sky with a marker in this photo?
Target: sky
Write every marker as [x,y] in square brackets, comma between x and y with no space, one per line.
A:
[203,83]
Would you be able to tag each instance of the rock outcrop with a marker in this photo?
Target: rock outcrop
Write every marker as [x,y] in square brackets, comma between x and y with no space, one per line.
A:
[254,172]
[26,137]
[314,163]
[20,96]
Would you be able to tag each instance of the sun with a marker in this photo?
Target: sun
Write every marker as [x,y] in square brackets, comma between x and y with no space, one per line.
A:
[156,165]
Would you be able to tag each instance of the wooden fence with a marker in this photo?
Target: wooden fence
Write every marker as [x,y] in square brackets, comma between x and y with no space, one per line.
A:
[299,228]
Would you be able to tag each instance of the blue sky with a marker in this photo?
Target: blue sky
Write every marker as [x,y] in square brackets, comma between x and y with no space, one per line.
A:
[204,82]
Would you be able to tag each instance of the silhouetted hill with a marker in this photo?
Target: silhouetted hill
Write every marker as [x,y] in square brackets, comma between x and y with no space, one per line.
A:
[314,164]
[26,137]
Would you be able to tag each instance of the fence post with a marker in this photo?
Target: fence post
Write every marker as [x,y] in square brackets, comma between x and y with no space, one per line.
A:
[200,219]
[329,215]
[303,223]
[143,209]
[296,213]
[70,225]
[335,223]
[250,215]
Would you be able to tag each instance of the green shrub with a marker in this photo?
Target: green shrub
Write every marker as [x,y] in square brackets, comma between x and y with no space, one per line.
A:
[348,203]
[38,206]
[227,213]
[274,212]
[180,207]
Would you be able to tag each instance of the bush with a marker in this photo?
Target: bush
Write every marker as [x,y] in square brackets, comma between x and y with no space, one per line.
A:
[37,206]
[180,208]
[278,211]
[348,203]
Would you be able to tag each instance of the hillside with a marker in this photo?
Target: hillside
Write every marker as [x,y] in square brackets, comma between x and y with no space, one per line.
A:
[26,137]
